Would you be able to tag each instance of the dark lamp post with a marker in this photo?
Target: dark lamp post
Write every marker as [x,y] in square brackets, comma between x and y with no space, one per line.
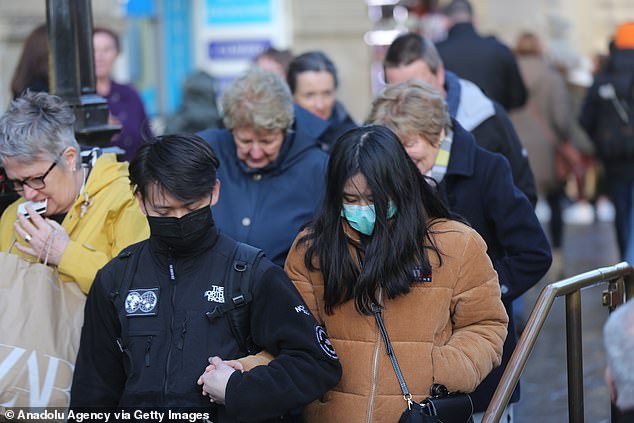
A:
[72,66]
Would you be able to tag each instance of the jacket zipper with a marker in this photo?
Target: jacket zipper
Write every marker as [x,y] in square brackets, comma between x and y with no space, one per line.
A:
[172,278]
[148,345]
[374,365]
[124,349]
[181,341]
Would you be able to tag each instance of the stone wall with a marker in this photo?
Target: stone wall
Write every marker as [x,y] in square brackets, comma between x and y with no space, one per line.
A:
[337,27]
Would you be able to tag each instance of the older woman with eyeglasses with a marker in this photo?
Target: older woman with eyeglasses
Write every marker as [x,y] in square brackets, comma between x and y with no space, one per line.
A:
[88,211]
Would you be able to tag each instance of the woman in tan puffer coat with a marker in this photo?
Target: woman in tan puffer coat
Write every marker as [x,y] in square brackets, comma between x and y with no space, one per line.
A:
[383,237]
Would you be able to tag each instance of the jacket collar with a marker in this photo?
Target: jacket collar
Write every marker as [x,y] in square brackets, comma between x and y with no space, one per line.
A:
[105,171]
[452,88]
[463,149]
[466,102]
[308,128]
[339,114]
[162,251]
[462,29]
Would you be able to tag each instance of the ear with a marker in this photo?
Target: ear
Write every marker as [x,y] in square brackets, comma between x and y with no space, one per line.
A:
[215,193]
[609,380]
[139,198]
[443,134]
[71,156]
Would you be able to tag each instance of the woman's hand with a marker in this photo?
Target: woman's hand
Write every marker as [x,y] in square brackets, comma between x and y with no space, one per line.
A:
[45,239]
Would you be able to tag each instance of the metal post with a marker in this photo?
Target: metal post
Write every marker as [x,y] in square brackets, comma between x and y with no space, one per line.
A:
[62,41]
[618,292]
[569,287]
[87,83]
[519,357]
[629,286]
[73,69]
[574,354]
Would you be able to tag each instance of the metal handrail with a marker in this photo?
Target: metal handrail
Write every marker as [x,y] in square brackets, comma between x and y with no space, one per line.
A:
[618,293]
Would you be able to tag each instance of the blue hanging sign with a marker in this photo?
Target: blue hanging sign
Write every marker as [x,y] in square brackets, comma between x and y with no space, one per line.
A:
[239,12]
[237,49]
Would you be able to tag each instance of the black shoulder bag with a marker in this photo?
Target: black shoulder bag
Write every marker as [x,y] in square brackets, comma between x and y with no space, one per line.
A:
[440,407]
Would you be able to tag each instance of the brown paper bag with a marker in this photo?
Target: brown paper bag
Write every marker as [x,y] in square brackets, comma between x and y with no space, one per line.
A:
[40,326]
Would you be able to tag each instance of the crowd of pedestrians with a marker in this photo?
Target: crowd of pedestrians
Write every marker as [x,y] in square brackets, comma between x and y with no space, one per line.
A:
[245,262]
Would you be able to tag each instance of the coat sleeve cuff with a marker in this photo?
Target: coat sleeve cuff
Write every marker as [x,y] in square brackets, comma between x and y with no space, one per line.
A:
[233,402]
[69,263]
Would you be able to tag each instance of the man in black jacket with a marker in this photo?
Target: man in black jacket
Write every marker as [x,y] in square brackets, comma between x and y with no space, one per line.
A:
[411,56]
[607,115]
[483,60]
[159,313]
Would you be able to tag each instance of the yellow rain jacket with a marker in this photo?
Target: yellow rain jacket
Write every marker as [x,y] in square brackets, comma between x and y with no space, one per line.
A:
[99,224]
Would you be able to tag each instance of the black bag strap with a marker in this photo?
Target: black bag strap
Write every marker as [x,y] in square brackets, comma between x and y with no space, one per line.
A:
[376,309]
[117,296]
[239,286]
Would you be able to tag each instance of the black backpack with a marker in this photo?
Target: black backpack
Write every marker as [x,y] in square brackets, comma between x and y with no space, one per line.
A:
[614,136]
[238,284]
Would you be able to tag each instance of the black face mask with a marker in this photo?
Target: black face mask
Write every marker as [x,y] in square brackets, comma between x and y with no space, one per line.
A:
[184,232]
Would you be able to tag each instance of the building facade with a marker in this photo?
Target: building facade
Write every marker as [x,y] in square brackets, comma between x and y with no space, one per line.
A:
[164,40]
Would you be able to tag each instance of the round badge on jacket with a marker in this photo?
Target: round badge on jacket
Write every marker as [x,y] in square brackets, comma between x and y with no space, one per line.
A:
[324,343]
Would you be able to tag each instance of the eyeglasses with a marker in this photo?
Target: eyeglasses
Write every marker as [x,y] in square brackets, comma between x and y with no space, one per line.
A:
[33,183]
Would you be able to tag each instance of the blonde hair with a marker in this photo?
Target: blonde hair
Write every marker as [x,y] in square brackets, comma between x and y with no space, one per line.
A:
[412,107]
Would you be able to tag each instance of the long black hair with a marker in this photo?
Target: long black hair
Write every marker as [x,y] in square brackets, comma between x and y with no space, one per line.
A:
[394,249]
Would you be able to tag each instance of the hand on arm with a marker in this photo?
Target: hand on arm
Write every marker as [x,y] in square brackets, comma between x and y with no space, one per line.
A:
[479,323]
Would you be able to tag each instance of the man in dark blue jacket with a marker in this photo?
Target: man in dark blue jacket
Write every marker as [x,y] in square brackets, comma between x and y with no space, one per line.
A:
[607,116]
[272,169]
[483,60]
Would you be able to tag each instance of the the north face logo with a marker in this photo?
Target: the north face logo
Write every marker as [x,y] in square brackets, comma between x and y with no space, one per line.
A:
[216,294]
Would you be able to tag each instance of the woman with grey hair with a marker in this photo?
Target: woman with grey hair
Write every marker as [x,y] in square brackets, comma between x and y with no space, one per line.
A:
[272,170]
[78,215]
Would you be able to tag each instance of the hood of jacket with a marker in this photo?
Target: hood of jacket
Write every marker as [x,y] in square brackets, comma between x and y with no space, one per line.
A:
[105,171]
[339,123]
[466,101]
[302,136]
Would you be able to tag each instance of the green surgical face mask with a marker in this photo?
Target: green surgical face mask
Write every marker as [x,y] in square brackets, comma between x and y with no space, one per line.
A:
[363,218]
